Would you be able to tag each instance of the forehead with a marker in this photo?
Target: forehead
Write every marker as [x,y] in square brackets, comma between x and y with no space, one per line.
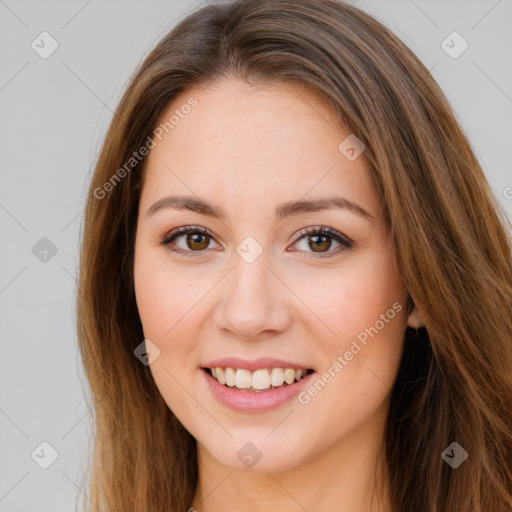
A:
[232,112]
[262,144]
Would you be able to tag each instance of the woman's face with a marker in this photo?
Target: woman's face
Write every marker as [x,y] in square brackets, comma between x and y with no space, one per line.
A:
[262,283]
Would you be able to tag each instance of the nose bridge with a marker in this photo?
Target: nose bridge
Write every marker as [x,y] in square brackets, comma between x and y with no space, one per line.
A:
[252,300]
[250,279]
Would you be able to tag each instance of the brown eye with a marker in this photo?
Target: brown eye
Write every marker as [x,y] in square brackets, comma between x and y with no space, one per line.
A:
[197,241]
[188,240]
[320,243]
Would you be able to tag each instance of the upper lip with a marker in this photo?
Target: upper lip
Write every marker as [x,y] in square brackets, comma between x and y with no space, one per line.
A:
[255,364]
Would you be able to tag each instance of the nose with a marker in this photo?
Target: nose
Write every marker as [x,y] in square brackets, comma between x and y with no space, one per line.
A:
[254,302]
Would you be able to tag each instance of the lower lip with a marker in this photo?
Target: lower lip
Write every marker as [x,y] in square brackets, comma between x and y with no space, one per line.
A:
[252,401]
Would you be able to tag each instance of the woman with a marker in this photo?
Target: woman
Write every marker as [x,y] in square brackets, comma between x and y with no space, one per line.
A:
[295,281]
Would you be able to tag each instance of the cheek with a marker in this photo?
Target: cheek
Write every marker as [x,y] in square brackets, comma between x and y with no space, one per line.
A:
[169,302]
[364,308]
[352,299]
[166,297]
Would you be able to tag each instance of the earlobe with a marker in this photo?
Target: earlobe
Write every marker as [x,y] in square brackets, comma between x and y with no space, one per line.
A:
[414,319]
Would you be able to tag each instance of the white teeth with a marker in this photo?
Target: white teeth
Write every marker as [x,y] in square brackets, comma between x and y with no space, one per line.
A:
[229,376]
[259,379]
[243,379]
[289,375]
[277,377]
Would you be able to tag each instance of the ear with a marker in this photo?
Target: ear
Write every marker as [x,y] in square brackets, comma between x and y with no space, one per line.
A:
[414,319]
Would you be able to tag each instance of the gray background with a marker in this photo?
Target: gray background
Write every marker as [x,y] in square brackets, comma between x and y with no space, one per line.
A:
[54,113]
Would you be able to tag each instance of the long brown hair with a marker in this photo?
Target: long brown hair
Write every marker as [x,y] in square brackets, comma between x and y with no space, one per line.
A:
[450,238]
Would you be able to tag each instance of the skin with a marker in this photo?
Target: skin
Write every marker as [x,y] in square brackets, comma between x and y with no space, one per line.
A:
[248,149]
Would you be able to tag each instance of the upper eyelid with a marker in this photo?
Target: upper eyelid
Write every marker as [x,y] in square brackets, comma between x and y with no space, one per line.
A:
[309,230]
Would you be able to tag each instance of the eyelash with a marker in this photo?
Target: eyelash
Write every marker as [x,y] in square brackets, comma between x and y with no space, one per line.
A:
[323,230]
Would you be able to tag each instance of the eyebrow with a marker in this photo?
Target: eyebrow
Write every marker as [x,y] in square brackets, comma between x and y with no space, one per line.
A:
[283,210]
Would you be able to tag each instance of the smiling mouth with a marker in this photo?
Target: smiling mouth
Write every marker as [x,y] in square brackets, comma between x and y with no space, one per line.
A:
[259,381]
